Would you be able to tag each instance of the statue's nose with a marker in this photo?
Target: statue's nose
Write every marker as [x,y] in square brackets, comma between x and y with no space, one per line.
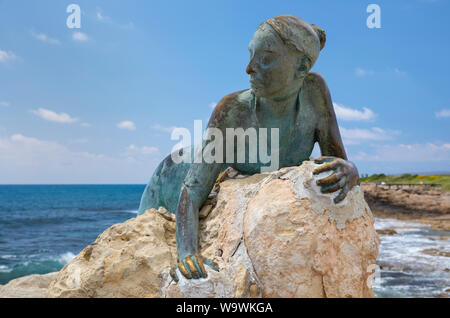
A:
[249,69]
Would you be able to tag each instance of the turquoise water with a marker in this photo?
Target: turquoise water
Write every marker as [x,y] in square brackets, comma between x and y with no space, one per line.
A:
[42,227]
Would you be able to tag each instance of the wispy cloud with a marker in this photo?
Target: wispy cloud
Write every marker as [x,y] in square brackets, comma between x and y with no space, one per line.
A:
[44,38]
[108,20]
[7,56]
[360,72]
[350,114]
[25,159]
[213,105]
[50,115]
[4,104]
[102,18]
[445,113]
[167,129]
[144,150]
[356,136]
[427,152]
[79,141]
[126,125]
[80,37]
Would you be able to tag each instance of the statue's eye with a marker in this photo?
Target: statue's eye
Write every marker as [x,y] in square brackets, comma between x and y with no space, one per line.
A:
[267,58]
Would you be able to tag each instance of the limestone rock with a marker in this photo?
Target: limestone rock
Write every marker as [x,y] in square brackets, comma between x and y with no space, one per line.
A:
[272,234]
[33,286]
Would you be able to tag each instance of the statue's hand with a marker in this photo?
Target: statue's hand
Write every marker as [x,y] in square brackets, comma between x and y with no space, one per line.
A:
[192,266]
[344,178]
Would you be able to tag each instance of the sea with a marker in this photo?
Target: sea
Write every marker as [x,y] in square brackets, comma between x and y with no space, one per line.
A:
[43,227]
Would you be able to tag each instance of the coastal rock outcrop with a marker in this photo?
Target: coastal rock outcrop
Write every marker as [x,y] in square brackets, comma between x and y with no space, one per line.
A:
[32,286]
[272,234]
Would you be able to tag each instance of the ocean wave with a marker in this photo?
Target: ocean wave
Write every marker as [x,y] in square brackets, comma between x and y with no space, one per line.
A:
[65,257]
[8,256]
[5,269]
[32,266]
[130,211]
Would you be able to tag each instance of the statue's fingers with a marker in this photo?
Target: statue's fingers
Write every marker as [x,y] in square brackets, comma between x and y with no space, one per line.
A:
[192,268]
[201,267]
[183,269]
[174,275]
[211,264]
[341,196]
[326,167]
[323,159]
[330,179]
[329,188]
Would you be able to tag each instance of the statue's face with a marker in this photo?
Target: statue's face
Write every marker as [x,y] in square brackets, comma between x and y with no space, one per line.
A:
[272,66]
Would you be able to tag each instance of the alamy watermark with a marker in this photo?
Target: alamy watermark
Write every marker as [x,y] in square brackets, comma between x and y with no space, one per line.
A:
[374,19]
[74,19]
[210,146]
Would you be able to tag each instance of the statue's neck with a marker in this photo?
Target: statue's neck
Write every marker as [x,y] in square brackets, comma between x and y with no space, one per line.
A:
[280,105]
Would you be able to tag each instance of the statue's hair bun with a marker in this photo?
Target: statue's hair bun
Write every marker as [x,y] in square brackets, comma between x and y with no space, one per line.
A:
[321,34]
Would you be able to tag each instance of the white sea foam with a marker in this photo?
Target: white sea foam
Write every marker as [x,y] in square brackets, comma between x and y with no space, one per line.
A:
[8,256]
[402,253]
[5,269]
[130,211]
[65,258]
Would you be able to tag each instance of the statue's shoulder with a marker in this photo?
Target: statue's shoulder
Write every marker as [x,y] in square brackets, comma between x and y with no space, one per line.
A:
[316,90]
[315,82]
[232,106]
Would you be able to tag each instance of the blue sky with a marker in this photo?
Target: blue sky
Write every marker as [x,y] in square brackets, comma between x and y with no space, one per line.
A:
[96,104]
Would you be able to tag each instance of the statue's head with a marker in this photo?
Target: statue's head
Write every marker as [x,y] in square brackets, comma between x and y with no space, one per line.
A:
[282,51]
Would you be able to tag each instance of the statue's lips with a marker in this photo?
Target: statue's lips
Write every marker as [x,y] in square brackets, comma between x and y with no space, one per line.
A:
[256,84]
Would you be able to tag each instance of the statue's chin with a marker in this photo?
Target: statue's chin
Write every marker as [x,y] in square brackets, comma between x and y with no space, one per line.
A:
[258,92]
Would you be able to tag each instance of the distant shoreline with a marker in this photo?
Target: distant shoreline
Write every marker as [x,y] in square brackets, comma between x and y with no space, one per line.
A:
[427,205]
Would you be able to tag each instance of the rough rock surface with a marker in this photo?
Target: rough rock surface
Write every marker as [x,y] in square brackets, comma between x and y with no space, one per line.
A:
[33,286]
[273,235]
[427,205]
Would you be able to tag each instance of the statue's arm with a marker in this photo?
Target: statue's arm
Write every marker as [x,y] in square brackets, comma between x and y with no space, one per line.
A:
[195,190]
[327,130]
[327,134]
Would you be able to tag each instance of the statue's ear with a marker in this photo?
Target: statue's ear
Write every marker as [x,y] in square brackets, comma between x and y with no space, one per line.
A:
[302,67]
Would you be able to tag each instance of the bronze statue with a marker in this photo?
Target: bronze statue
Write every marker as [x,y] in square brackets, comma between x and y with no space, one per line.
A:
[283,95]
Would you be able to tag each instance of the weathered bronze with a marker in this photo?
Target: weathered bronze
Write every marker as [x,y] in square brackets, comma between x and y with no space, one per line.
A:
[283,95]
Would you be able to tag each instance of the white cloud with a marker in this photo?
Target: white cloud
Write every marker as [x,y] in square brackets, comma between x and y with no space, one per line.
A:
[144,150]
[4,104]
[163,128]
[79,141]
[360,72]
[428,152]
[357,135]
[105,19]
[102,18]
[85,125]
[443,113]
[213,105]
[6,56]
[80,37]
[44,38]
[50,115]
[126,125]
[345,113]
[25,160]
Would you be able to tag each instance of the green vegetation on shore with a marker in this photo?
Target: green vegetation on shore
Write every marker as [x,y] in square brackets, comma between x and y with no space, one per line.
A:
[442,180]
